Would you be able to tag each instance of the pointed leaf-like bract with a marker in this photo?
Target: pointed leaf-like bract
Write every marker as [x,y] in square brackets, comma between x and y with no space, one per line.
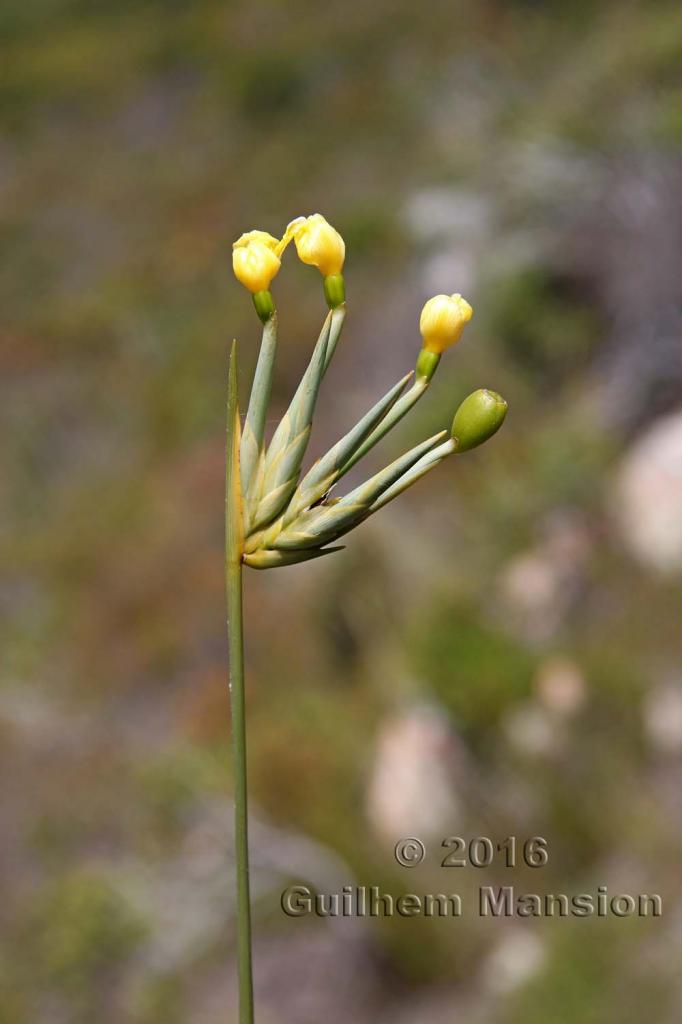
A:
[323,474]
[274,559]
[234,527]
[338,320]
[256,414]
[320,525]
[283,459]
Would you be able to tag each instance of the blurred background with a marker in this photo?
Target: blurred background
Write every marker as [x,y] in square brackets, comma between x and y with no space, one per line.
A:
[497,654]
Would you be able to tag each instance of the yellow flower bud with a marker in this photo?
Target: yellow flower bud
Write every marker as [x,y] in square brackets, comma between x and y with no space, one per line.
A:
[442,321]
[255,260]
[318,244]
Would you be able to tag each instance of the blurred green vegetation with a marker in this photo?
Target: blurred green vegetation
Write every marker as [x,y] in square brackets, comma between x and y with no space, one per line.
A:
[138,140]
[74,941]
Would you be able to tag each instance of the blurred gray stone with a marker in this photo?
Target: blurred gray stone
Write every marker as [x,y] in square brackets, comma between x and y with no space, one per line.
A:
[647,502]
[412,788]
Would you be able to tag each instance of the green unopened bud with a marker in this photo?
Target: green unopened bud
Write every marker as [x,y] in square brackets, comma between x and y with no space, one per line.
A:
[479,417]
[334,290]
[426,363]
[265,305]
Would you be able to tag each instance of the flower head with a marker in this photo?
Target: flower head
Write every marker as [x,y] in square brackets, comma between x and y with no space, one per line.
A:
[442,321]
[318,244]
[256,260]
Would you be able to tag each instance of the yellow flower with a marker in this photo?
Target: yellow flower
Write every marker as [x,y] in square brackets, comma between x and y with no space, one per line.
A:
[318,244]
[256,260]
[442,321]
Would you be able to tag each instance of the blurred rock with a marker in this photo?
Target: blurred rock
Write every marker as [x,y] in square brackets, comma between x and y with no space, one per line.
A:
[321,973]
[625,240]
[561,686]
[539,587]
[532,729]
[514,961]
[412,788]
[537,727]
[454,224]
[663,717]
[441,213]
[648,496]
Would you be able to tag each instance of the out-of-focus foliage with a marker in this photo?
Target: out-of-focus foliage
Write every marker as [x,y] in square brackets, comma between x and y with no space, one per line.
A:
[526,155]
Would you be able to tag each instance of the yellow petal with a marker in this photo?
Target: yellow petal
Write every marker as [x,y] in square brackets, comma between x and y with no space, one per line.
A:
[442,321]
[319,244]
[264,237]
[255,262]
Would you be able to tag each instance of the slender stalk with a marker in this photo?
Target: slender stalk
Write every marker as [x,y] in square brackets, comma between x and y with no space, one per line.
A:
[241,830]
[401,407]
[234,546]
[420,468]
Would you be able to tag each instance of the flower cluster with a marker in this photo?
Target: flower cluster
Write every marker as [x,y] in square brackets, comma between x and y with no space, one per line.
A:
[286,518]
[257,257]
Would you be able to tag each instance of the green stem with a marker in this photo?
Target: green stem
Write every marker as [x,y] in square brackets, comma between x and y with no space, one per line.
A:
[396,413]
[241,820]
[234,545]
